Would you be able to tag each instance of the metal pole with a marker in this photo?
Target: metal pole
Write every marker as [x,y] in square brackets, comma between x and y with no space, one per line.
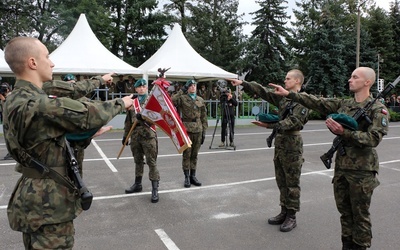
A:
[377,80]
[358,34]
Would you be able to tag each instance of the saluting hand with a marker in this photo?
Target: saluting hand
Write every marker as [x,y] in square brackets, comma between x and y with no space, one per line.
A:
[128,101]
[235,82]
[279,90]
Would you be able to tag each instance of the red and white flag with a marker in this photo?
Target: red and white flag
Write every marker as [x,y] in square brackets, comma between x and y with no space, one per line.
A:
[160,110]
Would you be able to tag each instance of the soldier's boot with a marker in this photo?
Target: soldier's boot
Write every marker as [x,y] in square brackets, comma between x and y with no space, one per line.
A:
[136,187]
[193,179]
[290,221]
[280,218]
[358,247]
[347,243]
[186,184]
[154,192]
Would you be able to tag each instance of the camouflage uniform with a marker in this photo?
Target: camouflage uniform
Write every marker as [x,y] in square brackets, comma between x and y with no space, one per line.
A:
[143,143]
[194,118]
[40,207]
[355,172]
[74,90]
[288,158]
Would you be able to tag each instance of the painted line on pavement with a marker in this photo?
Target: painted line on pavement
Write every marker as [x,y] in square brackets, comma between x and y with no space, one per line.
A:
[166,239]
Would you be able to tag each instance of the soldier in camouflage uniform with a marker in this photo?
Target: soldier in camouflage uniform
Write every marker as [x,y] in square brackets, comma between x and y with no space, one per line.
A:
[143,143]
[76,90]
[288,158]
[194,117]
[355,172]
[44,203]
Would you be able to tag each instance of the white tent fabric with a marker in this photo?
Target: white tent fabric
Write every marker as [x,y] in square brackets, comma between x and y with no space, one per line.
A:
[82,53]
[4,69]
[184,62]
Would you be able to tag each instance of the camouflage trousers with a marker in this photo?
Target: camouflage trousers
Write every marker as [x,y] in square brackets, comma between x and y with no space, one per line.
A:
[148,148]
[189,157]
[288,164]
[54,236]
[353,191]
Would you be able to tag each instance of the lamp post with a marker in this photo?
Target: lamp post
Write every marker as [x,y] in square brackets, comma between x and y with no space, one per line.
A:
[358,33]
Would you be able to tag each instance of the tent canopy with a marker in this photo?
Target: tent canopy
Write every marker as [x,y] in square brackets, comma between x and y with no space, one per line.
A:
[4,69]
[184,62]
[82,53]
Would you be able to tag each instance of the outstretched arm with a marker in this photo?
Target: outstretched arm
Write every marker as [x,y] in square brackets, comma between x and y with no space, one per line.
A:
[279,90]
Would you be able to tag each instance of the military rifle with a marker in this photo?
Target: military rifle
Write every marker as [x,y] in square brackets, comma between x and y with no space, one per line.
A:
[288,110]
[358,116]
[86,195]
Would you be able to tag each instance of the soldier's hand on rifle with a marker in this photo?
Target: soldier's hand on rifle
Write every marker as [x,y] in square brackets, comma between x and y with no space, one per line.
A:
[334,126]
[139,117]
[203,137]
[123,141]
[279,90]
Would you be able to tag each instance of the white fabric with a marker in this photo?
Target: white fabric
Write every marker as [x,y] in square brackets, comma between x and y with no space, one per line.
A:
[4,69]
[184,62]
[82,53]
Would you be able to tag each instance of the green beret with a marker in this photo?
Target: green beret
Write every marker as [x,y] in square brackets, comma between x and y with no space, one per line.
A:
[140,82]
[268,118]
[190,82]
[73,137]
[345,120]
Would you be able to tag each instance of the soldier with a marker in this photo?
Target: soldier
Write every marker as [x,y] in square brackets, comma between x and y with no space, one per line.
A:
[143,143]
[194,117]
[288,158]
[355,172]
[34,127]
[73,89]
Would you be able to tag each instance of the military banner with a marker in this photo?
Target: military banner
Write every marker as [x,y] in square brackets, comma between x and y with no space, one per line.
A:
[160,110]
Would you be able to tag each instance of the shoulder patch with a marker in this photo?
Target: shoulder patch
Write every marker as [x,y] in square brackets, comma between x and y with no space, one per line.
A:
[304,111]
[52,96]
[384,111]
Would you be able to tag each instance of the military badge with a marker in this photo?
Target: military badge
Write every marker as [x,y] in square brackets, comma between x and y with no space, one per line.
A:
[384,111]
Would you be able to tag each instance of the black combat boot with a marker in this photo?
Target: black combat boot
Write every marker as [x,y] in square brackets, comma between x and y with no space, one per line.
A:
[290,221]
[280,218]
[154,192]
[136,187]
[186,184]
[358,247]
[347,243]
[193,179]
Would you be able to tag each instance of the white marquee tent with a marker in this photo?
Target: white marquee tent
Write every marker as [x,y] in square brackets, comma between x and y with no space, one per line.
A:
[82,53]
[184,62]
[4,69]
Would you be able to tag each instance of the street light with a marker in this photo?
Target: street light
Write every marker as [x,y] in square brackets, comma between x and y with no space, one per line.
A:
[358,34]
[379,61]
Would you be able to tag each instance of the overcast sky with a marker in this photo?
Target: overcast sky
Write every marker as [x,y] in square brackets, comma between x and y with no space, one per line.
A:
[247,6]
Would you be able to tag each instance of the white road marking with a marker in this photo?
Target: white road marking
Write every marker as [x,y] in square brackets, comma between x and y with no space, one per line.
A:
[166,239]
[104,157]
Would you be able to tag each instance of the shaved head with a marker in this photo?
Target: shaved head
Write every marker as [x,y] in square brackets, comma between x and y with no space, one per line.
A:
[368,73]
[18,50]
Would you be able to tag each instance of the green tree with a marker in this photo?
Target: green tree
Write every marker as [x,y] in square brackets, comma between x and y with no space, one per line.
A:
[180,10]
[215,32]
[267,51]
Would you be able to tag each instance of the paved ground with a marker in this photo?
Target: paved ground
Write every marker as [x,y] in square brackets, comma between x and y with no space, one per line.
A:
[229,211]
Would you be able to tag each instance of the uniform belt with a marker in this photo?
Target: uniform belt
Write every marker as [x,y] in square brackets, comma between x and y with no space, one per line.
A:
[33,173]
[287,132]
[189,120]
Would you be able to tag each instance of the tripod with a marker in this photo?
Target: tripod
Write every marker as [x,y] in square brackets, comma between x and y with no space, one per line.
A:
[226,117]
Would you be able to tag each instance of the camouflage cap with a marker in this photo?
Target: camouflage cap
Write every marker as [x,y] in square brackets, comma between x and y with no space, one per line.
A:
[268,118]
[140,82]
[190,82]
[69,77]
[345,120]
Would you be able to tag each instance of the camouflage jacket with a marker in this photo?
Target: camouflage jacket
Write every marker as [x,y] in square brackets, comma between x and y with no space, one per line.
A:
[73,90]
[360,144]
[193,112]
[38,123]
[292,122]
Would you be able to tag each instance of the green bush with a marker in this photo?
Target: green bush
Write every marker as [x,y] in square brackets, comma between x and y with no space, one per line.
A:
[394,116]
